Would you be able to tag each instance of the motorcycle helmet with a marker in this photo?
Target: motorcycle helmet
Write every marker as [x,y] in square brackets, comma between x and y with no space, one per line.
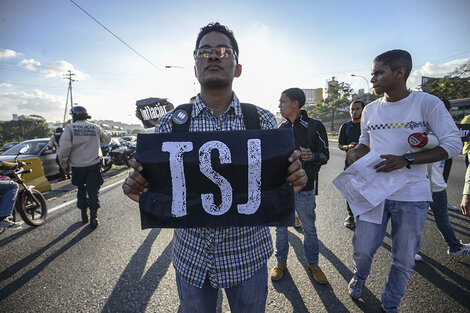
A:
[59,130]
[79,113]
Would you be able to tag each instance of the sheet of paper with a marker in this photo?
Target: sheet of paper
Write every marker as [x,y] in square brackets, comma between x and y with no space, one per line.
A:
[365,189]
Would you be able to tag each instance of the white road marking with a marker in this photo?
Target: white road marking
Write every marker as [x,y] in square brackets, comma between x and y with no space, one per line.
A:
[60,206]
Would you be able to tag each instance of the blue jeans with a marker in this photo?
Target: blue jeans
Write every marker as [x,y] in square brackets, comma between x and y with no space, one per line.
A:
[248,297]
[8,190]
[305,208]
[441,216]
[408,219]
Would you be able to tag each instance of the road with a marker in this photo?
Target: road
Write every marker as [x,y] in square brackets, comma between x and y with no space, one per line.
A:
[64,266]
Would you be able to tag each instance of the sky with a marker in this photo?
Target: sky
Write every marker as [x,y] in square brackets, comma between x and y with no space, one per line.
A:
[282,44]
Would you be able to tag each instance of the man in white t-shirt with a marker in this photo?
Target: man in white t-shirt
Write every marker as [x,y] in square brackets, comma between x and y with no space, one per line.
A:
[385,127]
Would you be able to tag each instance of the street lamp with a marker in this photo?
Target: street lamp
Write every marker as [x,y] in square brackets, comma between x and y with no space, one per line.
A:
[174,66]
[367,82]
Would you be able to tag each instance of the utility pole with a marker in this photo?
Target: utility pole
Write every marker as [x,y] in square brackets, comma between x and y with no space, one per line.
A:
[69,92]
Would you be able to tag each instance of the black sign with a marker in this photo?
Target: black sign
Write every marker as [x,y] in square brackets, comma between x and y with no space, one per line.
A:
[216,179]
[151,109]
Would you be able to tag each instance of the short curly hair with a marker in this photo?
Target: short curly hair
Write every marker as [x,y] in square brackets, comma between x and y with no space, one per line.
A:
[217,27]
[395,59]
[295,94]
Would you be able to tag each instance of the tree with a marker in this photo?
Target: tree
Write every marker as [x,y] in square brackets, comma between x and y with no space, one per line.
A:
[365,97]
[24,129]
[456,85]
[338,99]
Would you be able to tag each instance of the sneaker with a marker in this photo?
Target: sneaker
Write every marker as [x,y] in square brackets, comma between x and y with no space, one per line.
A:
[452,207]
[355,287]
[297,222]
[8,223]
[349,222]
[318,274]
[277,271]
[463,251]
[388,310]
[418,257]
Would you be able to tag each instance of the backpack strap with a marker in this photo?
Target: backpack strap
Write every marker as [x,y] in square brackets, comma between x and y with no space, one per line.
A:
[250,116]
[188,108]
[249,111]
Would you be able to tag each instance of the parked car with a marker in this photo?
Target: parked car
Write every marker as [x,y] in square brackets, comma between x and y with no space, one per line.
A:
[36,148]
[8,145]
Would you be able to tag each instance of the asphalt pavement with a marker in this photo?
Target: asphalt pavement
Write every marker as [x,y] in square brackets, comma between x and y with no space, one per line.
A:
[65,266]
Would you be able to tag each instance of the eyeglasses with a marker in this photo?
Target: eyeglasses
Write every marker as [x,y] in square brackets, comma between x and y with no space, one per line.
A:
[221,52]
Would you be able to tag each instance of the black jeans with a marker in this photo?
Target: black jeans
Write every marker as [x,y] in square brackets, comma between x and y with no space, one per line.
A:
[88,180]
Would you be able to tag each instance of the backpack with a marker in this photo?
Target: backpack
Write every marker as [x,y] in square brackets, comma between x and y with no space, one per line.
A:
[250,116]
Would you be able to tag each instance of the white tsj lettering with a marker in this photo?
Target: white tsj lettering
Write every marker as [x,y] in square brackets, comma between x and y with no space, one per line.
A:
[178,182]
[205,166]
[254,178]
[176,150]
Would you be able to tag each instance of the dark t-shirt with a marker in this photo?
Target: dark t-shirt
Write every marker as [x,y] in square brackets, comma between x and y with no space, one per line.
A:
[352,135]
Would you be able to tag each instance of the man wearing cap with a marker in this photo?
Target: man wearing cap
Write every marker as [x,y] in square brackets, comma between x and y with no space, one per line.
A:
[80,151]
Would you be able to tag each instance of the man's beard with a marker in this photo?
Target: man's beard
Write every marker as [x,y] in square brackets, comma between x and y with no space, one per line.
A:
[215,83]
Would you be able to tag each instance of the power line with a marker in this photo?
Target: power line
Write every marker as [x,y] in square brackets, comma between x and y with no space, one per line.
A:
[116,36]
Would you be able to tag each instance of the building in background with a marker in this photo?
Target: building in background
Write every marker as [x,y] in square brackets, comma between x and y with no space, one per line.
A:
[460,108]
[313,96]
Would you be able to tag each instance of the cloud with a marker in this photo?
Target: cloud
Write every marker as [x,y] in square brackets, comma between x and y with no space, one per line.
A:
[433,70]
[48,69]
[5,85]
[59,68]
[8,54]
[52,69]
[20,102]
[30,64]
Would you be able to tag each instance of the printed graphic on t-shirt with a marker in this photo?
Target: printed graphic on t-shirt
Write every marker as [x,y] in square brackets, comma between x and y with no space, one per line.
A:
[411,125]
[84,130]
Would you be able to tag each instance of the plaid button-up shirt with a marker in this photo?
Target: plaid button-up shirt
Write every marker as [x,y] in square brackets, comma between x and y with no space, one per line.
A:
[229,255]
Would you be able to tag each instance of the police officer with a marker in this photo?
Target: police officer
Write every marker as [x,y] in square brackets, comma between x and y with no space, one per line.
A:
[80,151]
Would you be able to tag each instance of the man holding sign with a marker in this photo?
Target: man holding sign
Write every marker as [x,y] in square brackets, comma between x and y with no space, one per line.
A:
[233,258]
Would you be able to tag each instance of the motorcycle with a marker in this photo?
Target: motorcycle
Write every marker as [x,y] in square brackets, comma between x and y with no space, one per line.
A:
[30,203]
[106,161]
[117,153]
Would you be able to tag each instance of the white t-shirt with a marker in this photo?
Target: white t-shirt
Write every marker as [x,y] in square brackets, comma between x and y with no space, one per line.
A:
[435,174]
[385,128]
